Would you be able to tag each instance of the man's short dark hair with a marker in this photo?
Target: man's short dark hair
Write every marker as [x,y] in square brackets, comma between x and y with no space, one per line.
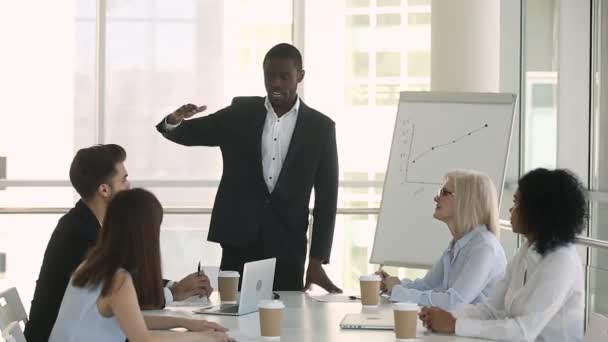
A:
[284,51]
[552,206]
[93,166]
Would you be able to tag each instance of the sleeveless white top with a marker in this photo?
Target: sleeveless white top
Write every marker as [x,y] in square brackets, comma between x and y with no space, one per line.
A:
[79,319]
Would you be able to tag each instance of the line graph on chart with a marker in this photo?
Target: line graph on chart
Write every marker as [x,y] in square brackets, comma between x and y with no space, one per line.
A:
[412,156]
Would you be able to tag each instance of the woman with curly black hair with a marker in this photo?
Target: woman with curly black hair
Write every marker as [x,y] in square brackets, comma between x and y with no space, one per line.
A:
[541,297]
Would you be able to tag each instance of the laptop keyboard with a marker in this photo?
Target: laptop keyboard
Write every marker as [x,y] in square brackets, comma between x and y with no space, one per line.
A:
[229,308]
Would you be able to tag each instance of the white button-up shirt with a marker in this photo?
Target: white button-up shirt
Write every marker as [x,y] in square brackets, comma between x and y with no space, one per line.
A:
[466,273]
[540,299]
[276,138]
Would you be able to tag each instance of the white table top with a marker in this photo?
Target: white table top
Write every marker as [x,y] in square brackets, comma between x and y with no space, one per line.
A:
[307,320]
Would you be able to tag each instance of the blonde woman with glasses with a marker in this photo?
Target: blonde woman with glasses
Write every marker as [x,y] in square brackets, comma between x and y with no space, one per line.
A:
[474,261]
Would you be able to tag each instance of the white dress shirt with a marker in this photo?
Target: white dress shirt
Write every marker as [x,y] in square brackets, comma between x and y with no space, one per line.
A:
[276,138]
[540,299]
[466,273]
[167,292]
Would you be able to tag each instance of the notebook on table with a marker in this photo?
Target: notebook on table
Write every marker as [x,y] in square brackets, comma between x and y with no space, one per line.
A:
[368,321]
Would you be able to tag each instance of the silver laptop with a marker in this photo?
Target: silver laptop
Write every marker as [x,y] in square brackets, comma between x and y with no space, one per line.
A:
[258,278]
[368,321]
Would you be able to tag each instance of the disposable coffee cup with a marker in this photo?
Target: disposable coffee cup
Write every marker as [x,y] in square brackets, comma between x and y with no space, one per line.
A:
[370,288]
[406,321]
[271,315]
[228,283]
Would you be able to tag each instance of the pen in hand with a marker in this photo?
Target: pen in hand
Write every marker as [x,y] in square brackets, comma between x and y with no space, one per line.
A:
[201,273]
[383,275]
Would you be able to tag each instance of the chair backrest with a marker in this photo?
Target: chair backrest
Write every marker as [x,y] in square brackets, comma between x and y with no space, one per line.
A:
[13,333]
[11,308]
[597,329]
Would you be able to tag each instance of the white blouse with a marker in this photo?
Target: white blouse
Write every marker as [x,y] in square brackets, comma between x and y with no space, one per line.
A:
[540,299]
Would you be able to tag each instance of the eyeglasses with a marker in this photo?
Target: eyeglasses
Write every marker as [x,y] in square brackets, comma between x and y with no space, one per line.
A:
[444,192]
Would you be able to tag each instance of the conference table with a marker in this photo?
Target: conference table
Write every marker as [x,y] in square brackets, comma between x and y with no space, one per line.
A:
[307,320]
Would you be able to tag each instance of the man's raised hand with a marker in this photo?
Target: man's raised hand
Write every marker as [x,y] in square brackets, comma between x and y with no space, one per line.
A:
[184,112]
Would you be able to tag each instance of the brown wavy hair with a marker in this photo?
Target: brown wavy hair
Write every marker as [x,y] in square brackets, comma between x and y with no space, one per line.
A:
[129,240]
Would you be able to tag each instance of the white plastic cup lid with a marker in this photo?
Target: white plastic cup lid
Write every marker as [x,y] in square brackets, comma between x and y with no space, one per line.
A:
[406,306]
[229,274]
[271,304]
[370,277]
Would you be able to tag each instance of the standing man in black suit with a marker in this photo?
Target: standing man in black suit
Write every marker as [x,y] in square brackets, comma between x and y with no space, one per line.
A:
[275,150]
[97,173]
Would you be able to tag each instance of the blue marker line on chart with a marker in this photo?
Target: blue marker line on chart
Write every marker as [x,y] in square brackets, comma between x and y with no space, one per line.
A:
[433,148]
[409,161]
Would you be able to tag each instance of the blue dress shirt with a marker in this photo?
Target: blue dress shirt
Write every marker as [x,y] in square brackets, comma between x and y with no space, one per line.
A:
[466,273]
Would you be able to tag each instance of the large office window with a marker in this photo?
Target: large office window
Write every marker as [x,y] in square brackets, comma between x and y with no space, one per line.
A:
[158,55]
[37,137]
[539,89]
[162,54]
[357,62]
[598,258]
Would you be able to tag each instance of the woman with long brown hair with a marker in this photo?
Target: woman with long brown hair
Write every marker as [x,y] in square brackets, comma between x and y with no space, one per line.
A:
[121,273]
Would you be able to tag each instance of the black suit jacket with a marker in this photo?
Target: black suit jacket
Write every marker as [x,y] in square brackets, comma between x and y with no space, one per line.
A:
[76,233]
[242,197]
